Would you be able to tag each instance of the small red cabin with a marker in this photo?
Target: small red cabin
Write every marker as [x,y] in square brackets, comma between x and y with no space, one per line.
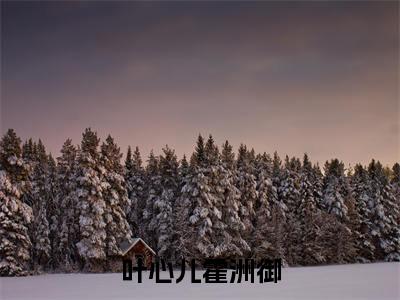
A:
[132,250]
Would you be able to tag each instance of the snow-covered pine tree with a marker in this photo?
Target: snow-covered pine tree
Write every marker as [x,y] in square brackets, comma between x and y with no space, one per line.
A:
[265,188]
[181,215]
[53,211]
[289,194]
[15,215]
[198,158]
[42,247]
[395,182]
[318,182]
[227,224]
[384,212]
[308,214]
[277,173]
[353,223]
[289,188]
[115,196]
[66,251]
[135,180]
[28,151]
[197,195]
[29,159]
[361,222]
[306,189]
[247,185]
[263,205]
[90,186]
[163,206]
[336,189]
[11,160]
[41,195]
[270,231]
[153,193]
[183,170]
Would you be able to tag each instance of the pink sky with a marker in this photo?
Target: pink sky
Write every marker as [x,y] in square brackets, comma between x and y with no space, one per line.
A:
[320,78]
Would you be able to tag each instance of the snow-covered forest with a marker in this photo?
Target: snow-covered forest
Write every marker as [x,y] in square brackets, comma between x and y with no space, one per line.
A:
[70,213]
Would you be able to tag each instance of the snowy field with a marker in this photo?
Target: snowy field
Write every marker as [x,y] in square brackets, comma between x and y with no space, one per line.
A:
[371,281]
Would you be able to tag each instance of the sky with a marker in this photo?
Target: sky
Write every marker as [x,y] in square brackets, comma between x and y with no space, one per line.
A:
[315,77]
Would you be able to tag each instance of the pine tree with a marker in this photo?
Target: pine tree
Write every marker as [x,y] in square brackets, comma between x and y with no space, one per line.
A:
[53,212]
[198,158]
[28,151]
[361,217]
[66,251]
[41,195]
[335,240]
[184,169]
[153,193]
[289,189]
[198,198]
[12,162]
[335,189]
[270,225]
[135,180]
[115,197]
[15,217]
[384,211]
[276,182]
[90,186]
[317,184]
[163,207]
[263,204]
[11,159]
[289,194]
[395,182]
[42,247]
[181,215]
[228,226]
[247,185]
[308,215]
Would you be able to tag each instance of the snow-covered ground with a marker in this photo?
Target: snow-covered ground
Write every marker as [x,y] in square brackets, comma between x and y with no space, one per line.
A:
[370,281]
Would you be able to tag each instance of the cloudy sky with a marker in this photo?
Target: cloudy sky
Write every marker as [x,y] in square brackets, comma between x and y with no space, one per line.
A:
[316,77]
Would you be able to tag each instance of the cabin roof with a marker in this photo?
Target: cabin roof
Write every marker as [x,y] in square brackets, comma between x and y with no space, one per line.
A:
[126,245]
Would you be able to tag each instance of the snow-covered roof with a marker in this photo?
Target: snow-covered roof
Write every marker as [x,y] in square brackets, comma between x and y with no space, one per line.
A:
[125,246]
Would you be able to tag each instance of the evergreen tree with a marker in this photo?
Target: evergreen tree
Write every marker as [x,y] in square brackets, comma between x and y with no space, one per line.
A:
[135,181]
[289,189]
[277,173]
[15,215]
[153,183]
[228,226]
[247,185]
[184,169]
[384,212]
[263,203]
[361,218]
[66,251]
[197,199]
[163,207]
[395,182]
[53,211]
[90,186]
[115,197]
[11,158]
[308,216]
[41,195]
[335,189]
[28,151]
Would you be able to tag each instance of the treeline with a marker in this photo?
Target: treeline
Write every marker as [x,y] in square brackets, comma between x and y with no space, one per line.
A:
[71,213]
